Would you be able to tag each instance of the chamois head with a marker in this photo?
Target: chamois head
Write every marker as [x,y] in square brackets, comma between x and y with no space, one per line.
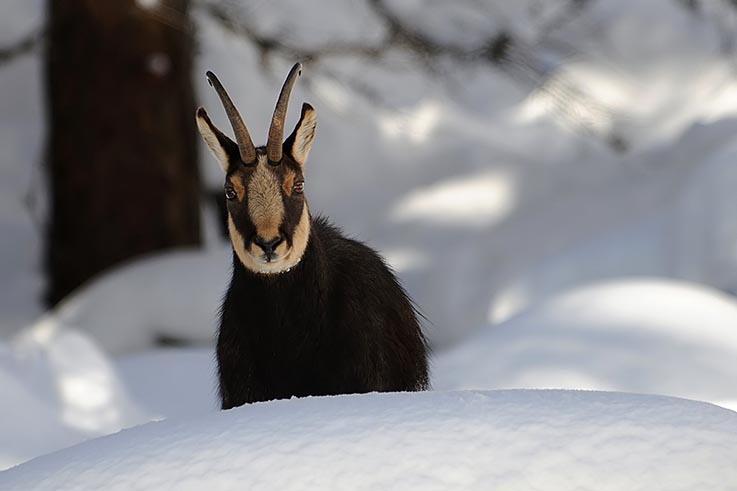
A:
[268,218]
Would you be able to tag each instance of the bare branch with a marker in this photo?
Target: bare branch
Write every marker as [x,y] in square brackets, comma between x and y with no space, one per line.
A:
[268,44]
[22,47]
[503,50]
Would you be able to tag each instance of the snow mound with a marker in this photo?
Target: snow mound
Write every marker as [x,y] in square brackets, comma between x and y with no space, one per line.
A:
[167,296]
[172,382]
[58,389]
[552,440]
[632,335]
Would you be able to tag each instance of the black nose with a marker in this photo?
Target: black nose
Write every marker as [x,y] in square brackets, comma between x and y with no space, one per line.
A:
[268,245]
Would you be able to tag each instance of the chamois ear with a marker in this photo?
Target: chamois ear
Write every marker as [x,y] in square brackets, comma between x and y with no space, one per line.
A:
[221,146]
[300,141]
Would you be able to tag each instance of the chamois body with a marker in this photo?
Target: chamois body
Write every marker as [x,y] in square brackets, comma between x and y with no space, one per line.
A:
[338,322]
[308,311]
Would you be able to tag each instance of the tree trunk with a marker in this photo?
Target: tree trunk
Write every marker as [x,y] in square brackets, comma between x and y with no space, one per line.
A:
[122,154]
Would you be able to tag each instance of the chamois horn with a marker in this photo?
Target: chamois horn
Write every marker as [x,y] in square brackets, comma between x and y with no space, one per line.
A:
[276,130]
[245,144]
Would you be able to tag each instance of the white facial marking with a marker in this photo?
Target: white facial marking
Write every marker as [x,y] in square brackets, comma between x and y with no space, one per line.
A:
[286,257]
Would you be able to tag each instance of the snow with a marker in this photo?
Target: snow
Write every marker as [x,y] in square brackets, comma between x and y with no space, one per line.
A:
[175,382]
[58,389]
[636,335]
[22,187]
[551,440]
[643,335]
[541,203]
[542,257]
[174,295]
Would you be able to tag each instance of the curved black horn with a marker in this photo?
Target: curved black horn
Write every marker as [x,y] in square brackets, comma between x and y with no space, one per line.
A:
[276,130]
[245,144]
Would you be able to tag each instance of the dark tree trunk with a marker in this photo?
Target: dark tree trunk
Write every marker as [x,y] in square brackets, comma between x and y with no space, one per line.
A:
[122,154]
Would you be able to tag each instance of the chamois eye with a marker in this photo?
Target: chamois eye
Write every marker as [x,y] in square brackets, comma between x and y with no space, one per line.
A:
[299,187]
[230,193]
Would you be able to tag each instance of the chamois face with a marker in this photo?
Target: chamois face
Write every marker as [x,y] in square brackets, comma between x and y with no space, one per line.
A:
[268,217]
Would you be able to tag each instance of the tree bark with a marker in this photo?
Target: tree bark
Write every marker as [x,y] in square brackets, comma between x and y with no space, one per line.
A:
[121,150]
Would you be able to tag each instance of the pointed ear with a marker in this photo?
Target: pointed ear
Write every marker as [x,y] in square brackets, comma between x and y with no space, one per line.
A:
[300,141]
[221,146]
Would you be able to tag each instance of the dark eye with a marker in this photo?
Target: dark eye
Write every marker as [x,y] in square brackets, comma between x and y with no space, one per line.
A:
[299,187]
[230,193]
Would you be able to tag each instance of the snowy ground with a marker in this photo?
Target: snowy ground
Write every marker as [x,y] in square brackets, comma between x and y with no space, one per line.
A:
[641,335]
[564,277]
[535,440]
[58,388]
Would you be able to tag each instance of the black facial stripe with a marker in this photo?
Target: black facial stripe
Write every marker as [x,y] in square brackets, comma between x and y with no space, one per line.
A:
[293,202]
[292,214]
[242,222]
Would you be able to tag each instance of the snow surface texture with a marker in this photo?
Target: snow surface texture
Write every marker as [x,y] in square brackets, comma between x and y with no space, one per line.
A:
[540,205]
[174,296]
[58,388]
[503,440]
[642,335]
[172,382]
[637,335]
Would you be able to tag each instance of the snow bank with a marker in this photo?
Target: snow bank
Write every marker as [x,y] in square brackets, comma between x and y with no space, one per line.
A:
[637,335]
[546,440]
[29,426]
[172,382]
[167,296]
[57,389]
[643,335]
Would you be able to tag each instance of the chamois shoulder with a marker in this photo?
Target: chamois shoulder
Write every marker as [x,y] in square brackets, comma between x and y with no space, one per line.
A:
[353,260]
[341,248]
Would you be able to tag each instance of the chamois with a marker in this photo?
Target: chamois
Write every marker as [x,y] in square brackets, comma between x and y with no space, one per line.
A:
[308,311]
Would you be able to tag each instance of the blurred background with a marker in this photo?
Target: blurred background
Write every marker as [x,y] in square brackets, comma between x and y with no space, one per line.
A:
[553,181]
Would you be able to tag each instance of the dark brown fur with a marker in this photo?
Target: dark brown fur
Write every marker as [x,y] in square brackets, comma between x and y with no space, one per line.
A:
[317,313]
[338,323]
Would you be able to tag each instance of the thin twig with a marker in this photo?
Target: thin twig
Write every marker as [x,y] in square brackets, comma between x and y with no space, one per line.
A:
[504,50]
[23,46]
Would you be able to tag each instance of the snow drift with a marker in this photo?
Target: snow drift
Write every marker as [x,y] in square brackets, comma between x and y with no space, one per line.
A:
[173,295]
[57,389]
[551,440]
[633,335]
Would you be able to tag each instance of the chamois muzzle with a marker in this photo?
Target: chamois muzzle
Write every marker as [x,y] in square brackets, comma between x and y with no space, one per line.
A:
[268,245]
